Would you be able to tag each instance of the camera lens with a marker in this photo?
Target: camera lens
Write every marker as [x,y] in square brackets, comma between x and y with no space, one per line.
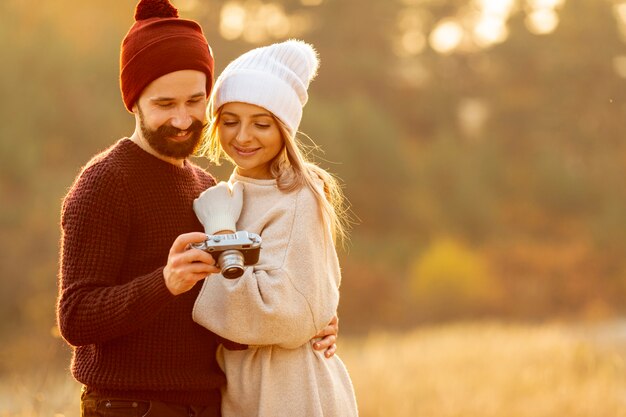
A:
[231,262]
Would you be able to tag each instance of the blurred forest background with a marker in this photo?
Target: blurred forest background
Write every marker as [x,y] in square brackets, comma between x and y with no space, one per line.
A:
[481,143]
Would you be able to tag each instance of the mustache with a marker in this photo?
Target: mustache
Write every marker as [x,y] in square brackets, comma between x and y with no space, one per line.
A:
[168,130]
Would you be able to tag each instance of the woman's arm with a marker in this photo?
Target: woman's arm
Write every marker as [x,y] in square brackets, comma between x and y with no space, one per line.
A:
[290,295]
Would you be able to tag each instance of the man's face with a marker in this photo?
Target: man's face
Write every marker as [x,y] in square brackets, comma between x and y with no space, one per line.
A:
[171,112]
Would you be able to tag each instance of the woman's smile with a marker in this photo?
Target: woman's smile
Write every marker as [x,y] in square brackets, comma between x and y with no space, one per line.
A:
[245,151]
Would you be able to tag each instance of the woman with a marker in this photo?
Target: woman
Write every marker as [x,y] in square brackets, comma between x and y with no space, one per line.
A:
[297,208]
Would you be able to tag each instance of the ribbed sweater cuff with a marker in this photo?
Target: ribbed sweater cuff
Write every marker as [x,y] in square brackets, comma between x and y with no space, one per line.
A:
[220,222]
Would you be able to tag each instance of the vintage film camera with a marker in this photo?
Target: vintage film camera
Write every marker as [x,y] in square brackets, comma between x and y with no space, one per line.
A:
[232,251]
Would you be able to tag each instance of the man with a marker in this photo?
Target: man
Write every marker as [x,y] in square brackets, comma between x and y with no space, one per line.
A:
[127,278]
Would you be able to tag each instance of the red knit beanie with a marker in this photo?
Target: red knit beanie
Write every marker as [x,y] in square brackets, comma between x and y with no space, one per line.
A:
[157,44]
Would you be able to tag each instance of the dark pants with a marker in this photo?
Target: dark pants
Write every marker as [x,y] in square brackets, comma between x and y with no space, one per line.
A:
[94,405]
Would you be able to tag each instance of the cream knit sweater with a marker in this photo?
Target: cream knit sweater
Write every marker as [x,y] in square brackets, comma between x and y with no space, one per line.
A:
[276,307]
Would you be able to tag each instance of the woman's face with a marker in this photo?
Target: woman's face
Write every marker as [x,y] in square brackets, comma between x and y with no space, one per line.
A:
[250,136]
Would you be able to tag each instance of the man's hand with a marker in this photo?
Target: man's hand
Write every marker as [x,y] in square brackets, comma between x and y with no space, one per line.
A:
[186,266]
[329,337]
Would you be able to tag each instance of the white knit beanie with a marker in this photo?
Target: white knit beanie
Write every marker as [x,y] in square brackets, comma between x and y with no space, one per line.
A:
[275,77]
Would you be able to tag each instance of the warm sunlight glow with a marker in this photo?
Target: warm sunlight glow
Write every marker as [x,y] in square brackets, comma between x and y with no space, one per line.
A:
[254,31]
[619,65]
[300,24]
[545,4]
[276,21]
[620,12]
[411,39]
[489,24]
[254,21]
[311,2]
[232,20]
[472,114]
[446,37]
[542,21]
[490,30]
[542,17]
[502,8]
[186,5]
[413,42]
[410,18]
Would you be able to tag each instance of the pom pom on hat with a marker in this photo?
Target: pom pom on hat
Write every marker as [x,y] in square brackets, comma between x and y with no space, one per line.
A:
[159,43]
[275,77]
[155,8]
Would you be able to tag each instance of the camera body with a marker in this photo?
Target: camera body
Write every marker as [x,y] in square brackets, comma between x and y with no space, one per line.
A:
[232,251]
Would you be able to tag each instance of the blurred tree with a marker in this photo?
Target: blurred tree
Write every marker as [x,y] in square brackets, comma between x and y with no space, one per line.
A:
[450,280]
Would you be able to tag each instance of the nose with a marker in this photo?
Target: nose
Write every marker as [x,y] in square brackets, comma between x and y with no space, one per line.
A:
[181,119]
[243,135]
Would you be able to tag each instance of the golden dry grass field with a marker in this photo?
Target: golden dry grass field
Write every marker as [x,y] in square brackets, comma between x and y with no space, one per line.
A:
[491,369]
[463,370]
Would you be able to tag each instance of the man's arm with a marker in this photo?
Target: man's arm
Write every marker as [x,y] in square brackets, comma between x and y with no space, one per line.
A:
[94,305]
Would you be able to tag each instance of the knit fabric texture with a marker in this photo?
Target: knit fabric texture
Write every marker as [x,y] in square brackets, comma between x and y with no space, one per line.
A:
[159,42]
[276,307]
[275,77]
[132,337]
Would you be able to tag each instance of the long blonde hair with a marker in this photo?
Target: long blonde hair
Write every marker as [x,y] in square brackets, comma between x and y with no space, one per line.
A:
[332,202]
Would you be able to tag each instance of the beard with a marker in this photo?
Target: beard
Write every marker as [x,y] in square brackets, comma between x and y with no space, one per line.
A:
[158,139]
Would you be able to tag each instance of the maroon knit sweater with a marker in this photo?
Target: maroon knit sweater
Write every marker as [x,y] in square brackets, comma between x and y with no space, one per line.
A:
[132,337]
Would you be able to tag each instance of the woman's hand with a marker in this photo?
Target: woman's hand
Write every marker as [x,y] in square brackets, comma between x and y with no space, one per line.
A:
[218,208]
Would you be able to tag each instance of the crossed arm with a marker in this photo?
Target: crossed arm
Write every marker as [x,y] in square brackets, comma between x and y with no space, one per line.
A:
[185,267]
